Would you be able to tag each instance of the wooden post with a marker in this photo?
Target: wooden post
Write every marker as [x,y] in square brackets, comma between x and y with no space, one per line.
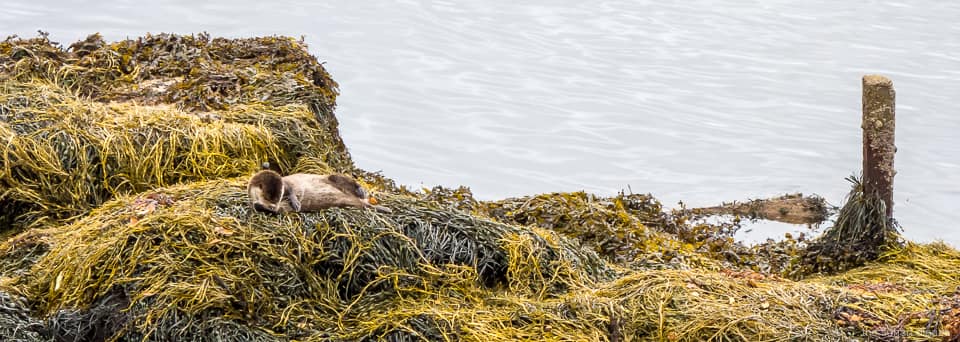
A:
[878,145]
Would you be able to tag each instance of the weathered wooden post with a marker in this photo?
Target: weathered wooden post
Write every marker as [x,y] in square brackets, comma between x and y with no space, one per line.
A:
[878,144]
[864,226]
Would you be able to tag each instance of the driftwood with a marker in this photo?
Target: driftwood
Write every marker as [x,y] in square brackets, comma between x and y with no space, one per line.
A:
[790,208]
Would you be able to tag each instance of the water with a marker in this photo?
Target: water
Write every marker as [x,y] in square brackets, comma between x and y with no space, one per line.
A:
[694,101]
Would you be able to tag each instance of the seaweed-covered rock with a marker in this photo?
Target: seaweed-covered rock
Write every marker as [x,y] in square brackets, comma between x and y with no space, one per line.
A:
[195,72]
[65,155]
[87,123]
[190,254]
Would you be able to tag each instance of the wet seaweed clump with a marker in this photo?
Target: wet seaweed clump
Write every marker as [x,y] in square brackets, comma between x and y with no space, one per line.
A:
[604,225]
[124,218]
[862,232]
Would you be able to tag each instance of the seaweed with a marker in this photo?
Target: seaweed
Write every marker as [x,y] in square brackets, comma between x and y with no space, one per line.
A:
[16,322]
[862,232]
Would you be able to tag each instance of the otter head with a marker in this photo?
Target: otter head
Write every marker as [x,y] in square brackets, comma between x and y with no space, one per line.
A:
[266,190]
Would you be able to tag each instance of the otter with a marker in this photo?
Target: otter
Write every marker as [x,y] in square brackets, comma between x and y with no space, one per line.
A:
[306,192]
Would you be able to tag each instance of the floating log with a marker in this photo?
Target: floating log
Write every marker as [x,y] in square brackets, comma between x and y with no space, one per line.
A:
[789,208]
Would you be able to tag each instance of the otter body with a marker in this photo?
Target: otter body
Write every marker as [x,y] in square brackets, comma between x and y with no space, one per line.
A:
[306,192]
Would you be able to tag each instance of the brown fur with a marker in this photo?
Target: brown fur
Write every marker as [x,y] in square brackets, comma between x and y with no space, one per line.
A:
[308,192]
[266,191]
[347,185]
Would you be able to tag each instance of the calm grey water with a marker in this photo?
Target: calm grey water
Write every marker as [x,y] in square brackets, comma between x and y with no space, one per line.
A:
[699,101]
